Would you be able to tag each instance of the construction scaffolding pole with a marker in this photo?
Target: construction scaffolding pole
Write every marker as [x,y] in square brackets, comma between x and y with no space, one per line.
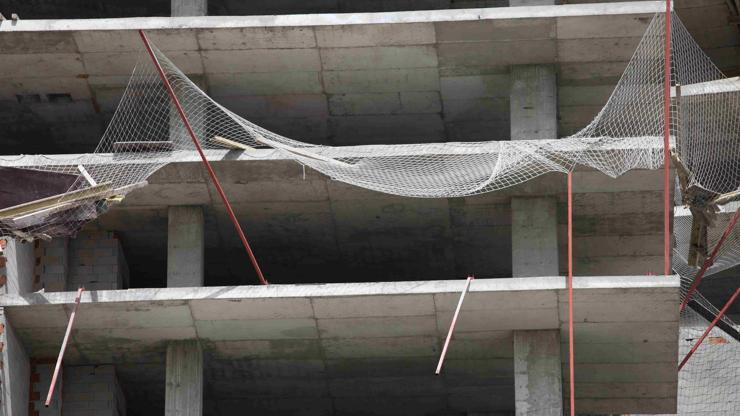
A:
[711,326]
[207,164]
[58,365]
[709,261]
[452,325]
[571,349]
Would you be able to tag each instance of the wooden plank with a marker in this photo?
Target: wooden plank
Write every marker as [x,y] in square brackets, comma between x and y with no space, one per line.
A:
[48,202]
[86,175]
[231,144]
[299,151]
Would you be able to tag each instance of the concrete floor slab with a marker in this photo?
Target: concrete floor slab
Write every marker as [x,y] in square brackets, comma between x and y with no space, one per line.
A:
[261,67]
[353,343]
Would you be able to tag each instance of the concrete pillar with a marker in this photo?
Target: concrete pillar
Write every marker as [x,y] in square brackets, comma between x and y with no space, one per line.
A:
[537,373]
[17,267]
[15,372]
[533,102]
[189,7]
[184,391]
[185,246]
[537,367]
[534,237]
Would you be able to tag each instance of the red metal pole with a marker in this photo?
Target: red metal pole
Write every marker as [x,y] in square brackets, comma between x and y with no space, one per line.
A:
[211,173]
[571,363]
[64,347]
[709,329]
[667,144]
[709,260]
[452,325]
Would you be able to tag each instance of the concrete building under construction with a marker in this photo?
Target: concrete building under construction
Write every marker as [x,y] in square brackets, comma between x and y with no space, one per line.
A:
[363,285]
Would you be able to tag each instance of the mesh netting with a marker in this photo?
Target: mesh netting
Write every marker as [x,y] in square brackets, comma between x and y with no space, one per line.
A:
[707,384]
[146,133]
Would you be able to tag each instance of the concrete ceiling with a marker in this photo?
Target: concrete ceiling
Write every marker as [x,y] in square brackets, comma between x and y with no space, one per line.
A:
[337,78]
[334,232]
[371,348]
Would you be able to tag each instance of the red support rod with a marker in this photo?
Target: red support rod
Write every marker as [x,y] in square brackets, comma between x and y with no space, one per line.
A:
[571,354]
[64,347]
[709,329]
[667,144]
[452,325]
[709,261]
[207,164]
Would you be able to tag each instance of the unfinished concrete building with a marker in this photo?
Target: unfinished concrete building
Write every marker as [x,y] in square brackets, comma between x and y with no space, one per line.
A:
[364,277]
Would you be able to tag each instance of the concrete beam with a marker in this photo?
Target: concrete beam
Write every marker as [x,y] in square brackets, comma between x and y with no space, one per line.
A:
[520,3]
[184,391]
[538,381]
[185,246]
[161,23]
[189,7]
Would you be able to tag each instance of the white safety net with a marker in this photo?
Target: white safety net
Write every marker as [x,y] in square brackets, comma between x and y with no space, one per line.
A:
[147,133]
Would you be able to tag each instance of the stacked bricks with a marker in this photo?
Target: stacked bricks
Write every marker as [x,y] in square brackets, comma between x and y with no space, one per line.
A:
[51,265]
[96,261]
[41,373]
[92,391]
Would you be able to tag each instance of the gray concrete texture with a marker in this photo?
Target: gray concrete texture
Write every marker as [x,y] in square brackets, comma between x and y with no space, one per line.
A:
[333,232]
[370,348]
[15,371]
[340,84]
[338,79]
[185,246]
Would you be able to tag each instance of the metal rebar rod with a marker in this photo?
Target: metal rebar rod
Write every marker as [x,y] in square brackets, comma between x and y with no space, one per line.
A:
[207,164]
[452,325]
[58,366]
[571,349]
[709,329]
[709,261]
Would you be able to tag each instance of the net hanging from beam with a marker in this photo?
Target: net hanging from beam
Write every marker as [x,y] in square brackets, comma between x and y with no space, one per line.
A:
[146,133]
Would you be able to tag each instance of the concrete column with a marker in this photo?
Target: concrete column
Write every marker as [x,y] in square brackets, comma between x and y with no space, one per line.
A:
[15,372]
[17,267]
[533,102]
[185,246]
[534,237]
[533,106]
[189,7]
[184,391]
[537,373]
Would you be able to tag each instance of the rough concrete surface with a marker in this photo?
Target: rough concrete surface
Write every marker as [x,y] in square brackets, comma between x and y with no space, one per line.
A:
[346,345]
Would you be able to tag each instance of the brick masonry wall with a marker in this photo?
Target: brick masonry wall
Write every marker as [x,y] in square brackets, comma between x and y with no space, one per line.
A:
[92,391]
[41,373]
[94,259]
[51,265]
